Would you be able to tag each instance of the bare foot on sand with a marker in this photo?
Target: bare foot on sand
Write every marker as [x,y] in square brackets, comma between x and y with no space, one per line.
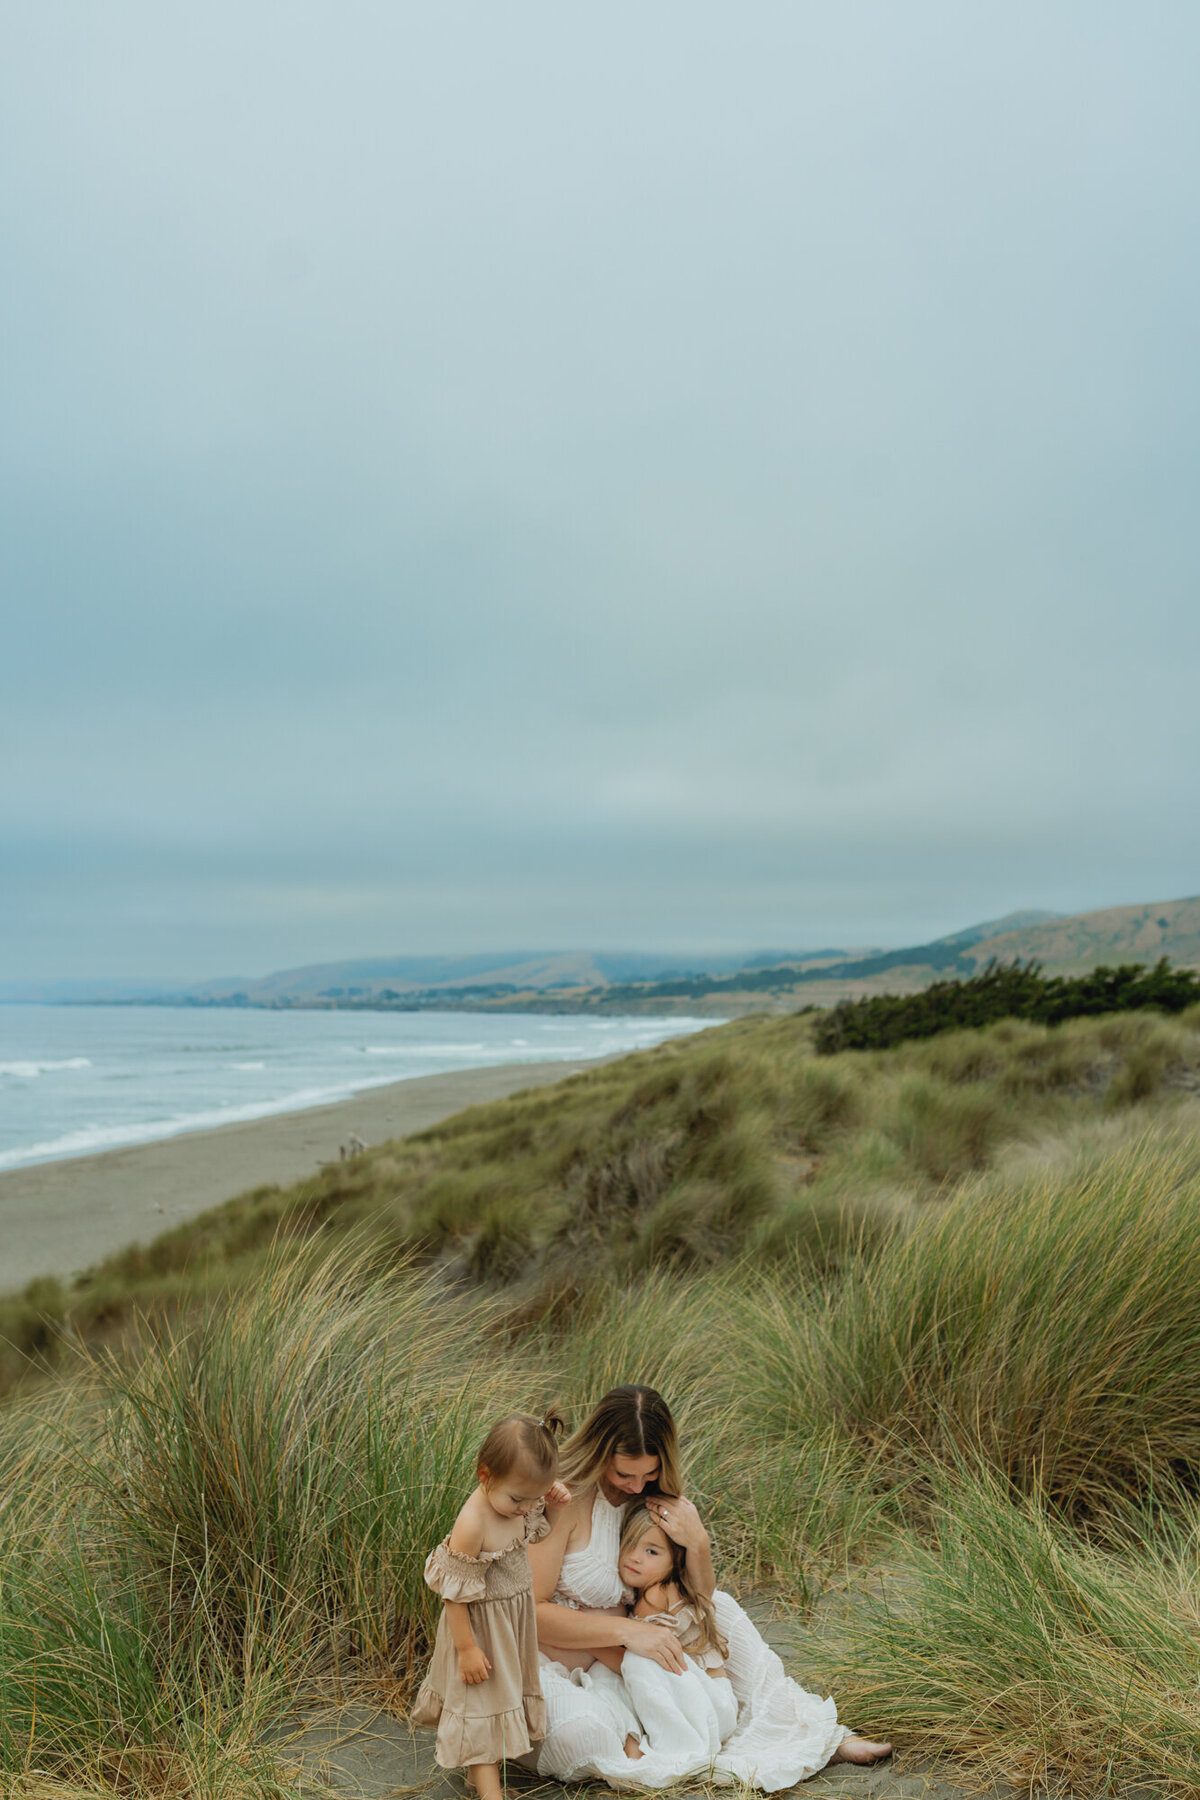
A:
[860,1750]
[633,1749]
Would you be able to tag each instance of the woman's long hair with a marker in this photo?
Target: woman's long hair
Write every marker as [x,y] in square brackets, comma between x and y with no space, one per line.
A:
[638,1521]
[628,1421]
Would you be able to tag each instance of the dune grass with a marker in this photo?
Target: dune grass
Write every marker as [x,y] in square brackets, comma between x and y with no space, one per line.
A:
[737,1142]
[1052,1323]
[935,1309]
[246,1513]
[1021,1653]
[1004,1402]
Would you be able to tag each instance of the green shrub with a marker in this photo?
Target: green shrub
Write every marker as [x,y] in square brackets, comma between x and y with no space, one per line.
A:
[1002,990]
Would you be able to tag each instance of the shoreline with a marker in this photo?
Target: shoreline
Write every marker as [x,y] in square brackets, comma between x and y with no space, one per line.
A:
[58,1218]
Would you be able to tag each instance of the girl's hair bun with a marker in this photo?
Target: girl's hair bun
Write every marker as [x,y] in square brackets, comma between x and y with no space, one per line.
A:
[522,1439]
[554,1421]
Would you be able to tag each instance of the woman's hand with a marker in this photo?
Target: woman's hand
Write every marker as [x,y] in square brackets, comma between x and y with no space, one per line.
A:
[658,1642]
[679,1519]
[473,1665]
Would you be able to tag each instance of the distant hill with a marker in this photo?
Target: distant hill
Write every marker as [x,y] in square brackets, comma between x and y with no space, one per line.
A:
[495,978]
[567,977]
[1117,934]
[716,986]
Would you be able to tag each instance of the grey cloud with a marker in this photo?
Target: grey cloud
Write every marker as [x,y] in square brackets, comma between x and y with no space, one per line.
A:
[483,476]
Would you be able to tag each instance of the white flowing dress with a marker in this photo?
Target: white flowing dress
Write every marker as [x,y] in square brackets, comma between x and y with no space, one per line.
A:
[781,1734]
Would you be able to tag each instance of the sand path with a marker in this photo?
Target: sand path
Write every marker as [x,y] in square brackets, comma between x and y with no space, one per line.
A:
[58,1218]
[363,1753]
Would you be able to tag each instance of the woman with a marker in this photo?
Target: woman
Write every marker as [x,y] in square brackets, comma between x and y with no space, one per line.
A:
[625,1448]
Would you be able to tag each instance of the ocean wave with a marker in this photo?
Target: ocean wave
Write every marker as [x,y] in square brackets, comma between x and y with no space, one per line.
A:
[352,1066]
[28,1071]
[89,1139]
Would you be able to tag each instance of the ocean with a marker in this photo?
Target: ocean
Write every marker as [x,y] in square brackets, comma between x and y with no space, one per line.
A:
[76,1079]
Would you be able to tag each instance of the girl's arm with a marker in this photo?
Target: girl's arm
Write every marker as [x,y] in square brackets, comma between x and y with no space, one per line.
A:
[664,1596]
[466,1536]
[473,1665]
[466,1539]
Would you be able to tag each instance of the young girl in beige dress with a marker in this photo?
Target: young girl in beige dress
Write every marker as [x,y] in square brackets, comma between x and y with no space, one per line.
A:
[482,1690]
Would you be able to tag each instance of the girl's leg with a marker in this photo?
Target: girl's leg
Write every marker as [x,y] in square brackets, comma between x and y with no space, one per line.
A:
[678,1713]
[485,1779]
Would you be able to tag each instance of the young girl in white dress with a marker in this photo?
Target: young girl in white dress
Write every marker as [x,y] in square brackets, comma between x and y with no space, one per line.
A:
[482,1691]
[683,1718]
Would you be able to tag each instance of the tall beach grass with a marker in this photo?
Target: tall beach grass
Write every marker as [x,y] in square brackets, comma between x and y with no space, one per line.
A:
[935,1308]
[1051,1324]
[1018,1652]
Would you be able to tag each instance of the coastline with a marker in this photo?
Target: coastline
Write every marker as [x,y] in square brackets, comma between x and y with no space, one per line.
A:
[58,1218]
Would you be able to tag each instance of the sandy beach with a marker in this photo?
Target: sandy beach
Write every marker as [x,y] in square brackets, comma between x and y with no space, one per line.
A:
[57,1218]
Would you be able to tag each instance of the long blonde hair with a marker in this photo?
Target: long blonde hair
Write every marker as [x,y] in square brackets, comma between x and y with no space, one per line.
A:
[628,1421]
[638,1521]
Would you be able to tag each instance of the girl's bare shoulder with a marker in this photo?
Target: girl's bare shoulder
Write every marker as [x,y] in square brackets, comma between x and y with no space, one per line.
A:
[468,1531]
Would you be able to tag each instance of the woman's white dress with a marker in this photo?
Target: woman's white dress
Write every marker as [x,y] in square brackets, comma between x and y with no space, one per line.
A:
[781,1734]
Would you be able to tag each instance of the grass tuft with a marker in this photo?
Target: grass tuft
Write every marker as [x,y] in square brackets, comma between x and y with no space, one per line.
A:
[1022,1654]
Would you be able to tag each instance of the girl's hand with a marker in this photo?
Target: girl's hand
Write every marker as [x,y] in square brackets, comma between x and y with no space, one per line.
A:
[558,1495]
[679,1519]
[473,1665]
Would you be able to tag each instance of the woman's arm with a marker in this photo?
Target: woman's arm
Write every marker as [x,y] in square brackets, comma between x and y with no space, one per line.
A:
[568,1627]
[684,1526]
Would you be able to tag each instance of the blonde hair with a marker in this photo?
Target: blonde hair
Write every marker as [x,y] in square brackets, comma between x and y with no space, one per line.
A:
[522,1442]
[628,1421]
[638,1521]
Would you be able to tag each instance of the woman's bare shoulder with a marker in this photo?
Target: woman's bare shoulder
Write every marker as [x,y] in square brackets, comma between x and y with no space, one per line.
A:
[577,1517]
[568,1531]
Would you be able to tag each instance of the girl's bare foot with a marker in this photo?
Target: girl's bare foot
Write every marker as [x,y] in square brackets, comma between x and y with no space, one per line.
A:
[860,1750]
[633,1749]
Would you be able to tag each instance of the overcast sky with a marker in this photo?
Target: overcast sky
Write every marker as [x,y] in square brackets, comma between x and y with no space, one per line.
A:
[662,476]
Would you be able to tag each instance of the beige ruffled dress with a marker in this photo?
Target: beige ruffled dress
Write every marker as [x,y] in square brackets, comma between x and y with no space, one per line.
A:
[505,1715]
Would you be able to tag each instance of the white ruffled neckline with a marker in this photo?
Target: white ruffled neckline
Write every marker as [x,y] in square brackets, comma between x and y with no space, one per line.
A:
[589,1576]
